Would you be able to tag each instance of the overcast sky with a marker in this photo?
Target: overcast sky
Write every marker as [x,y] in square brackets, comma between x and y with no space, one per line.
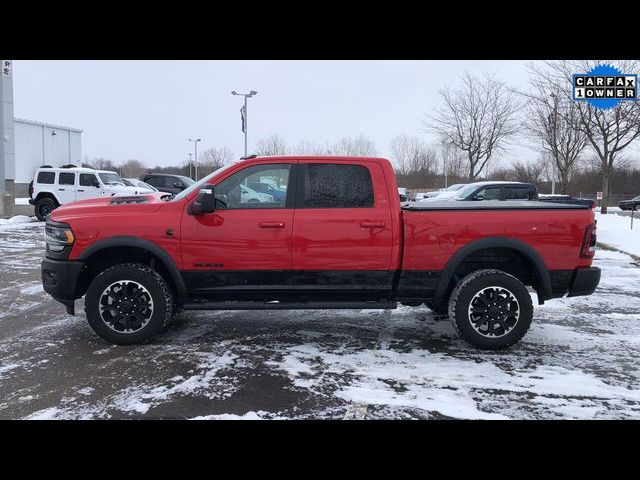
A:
[148,109]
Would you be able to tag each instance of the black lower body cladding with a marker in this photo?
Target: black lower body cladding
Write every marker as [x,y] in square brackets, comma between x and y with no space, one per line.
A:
[585,281]
[582,281]
[60,278]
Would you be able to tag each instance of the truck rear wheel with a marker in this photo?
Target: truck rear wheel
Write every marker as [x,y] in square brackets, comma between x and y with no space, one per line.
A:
[44,207]
[491,309]
[128,304]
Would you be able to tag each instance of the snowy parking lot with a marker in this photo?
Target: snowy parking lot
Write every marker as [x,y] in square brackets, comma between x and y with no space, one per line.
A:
[578,361]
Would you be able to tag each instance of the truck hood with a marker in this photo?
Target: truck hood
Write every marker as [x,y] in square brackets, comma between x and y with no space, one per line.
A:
[113,205]
[121,190]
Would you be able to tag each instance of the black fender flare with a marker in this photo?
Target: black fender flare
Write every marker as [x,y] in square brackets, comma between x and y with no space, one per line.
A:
[540,269]
[51,195]
[124,241]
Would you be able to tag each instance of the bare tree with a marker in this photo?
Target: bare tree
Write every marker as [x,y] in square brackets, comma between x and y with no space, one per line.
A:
[359,146]
[412,154]
[529,172]
[453,161]
[212,159]
[608,131]
[305,147]
[132,168]
[554,120]
[103,164]
[478,117]
[274,144]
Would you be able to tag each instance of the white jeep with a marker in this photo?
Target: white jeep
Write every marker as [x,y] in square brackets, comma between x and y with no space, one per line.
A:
[52,187]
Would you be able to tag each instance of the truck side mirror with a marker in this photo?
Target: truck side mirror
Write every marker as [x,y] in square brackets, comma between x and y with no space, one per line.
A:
[205,202]
[478,197]
[96,184]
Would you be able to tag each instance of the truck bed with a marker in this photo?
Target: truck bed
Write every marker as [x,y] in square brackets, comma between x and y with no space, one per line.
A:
[491,205]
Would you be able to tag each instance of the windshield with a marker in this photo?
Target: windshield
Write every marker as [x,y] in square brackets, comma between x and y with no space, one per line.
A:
[142,184]
[186,180]
[466,191]
[199,183]
[111,179]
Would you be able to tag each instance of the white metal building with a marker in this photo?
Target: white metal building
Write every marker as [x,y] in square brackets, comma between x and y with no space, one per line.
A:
[38,144]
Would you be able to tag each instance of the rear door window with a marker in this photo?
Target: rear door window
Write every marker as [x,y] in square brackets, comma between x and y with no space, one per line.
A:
[46,178]
[66,178]
[171,182]
[329,185]
[517,193]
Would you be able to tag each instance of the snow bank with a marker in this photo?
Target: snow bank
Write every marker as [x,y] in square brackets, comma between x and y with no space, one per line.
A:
[615,231]
[16,220]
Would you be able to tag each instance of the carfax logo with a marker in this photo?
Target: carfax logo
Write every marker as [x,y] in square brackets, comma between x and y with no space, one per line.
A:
[605,86]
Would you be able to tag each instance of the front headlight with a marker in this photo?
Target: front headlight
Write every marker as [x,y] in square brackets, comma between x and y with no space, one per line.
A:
[58,237]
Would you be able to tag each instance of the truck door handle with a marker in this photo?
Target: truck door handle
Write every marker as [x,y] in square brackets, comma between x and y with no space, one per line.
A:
[372,224]
[61,189]
[80,190]
[271,224]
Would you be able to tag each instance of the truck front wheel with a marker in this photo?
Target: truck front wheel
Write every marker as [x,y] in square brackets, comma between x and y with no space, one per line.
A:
[128,304]
[491,309]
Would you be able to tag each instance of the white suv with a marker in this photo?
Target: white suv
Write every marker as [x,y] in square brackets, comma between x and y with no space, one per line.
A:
[52,187]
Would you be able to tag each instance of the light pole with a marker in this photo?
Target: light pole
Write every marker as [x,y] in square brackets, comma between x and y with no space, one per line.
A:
[244,115]
[195,147]
[190,163]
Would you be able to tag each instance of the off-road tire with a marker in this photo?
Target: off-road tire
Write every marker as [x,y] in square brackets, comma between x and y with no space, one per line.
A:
[42,203]
[151,280]
[472,284]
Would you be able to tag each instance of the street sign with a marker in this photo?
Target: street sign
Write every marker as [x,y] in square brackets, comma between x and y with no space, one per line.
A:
[6,68]
[598,195]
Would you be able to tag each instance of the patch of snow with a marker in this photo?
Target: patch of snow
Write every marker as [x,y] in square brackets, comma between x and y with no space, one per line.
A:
[615,231]
[51,413]
[228,416]
[33,289]
[8,367]
[17,219]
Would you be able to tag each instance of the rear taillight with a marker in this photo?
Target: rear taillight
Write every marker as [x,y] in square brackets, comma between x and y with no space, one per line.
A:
[589,241]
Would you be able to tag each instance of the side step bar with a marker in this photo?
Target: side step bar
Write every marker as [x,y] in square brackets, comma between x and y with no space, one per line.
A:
[289,305]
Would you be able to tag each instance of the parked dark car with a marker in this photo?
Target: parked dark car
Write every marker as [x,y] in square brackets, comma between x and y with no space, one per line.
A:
[633,204]
[567,199]
[496,191]
[167,183]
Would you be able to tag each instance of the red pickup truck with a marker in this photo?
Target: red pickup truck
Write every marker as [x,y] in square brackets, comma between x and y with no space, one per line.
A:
[337,239]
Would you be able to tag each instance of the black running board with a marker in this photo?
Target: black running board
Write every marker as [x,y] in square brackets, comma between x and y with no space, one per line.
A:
[289,305]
